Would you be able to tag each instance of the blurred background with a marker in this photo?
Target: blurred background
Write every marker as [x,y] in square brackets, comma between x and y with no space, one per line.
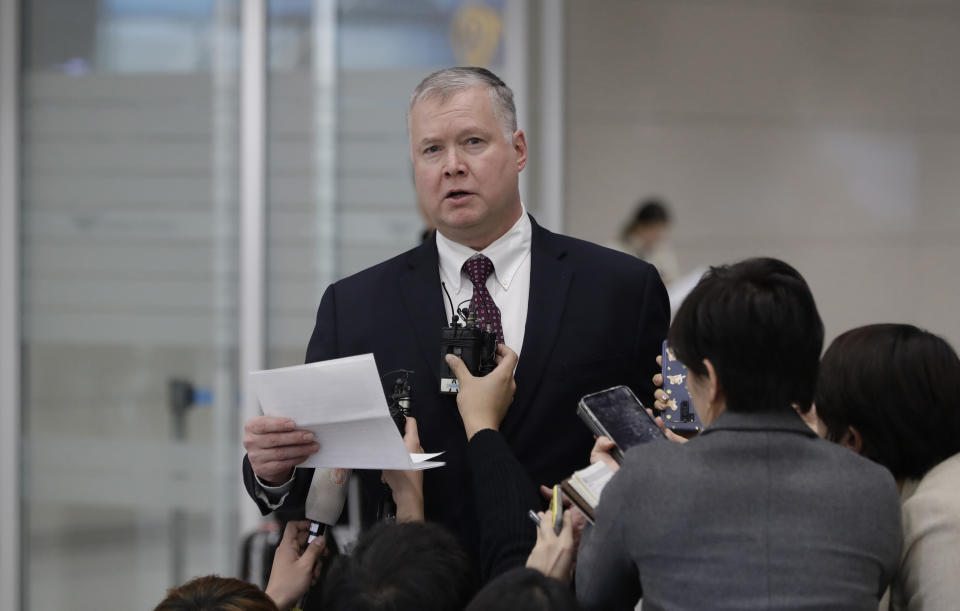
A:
[181,179]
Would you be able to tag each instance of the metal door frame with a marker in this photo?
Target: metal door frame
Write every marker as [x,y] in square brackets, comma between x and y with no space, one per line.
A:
[10,459]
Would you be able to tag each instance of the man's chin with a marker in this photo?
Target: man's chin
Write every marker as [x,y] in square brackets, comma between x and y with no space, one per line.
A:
[468,234]
[462,219]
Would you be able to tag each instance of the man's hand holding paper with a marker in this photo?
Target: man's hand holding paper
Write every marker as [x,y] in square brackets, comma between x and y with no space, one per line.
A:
[275,446]
[341,403]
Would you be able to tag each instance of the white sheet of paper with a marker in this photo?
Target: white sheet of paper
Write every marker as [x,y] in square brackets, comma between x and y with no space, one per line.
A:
[341,402]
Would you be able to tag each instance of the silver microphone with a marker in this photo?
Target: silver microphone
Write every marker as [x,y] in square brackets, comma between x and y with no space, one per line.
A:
[325,499]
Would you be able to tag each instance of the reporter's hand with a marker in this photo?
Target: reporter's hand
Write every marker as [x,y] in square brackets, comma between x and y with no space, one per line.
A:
[667,432]
[554,555]
[407,486]
[660,401]
[296,565]
[577,517]
[483,401]
[601,452]
[275,446]
[660,396]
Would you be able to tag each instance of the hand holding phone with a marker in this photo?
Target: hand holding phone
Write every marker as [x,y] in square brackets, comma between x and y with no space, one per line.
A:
[679,414]
[618,414]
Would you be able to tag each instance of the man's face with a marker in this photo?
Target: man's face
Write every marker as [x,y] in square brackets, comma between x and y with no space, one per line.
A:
[466,171]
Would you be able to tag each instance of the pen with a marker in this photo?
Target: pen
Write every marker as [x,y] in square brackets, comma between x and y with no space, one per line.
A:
[533,516]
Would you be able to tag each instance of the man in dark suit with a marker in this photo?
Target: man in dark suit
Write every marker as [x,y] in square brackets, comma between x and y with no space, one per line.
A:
[581,317]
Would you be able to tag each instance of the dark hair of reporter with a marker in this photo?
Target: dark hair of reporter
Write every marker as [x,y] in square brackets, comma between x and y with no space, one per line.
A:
[213,593]
[899,387]
[757,323]
[524,589]
[648,212]
[397,567]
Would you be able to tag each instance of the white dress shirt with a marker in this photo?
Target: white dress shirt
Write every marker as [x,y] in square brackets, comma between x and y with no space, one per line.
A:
[509,284]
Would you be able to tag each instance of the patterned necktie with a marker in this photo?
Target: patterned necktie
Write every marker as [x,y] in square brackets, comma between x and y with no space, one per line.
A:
[479,269]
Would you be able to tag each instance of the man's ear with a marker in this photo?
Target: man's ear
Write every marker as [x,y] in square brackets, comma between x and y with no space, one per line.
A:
[520,147]
[853,440]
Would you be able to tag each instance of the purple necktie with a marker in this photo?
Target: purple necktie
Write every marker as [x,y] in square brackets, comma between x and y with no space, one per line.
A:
[479,269]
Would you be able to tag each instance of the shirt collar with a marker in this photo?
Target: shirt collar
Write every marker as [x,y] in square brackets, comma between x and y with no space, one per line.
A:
[507,254]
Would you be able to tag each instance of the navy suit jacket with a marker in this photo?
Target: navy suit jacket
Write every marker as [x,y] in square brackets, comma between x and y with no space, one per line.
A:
[596,318]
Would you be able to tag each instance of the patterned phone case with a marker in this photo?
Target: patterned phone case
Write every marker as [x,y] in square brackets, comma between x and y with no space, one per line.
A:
[680,416]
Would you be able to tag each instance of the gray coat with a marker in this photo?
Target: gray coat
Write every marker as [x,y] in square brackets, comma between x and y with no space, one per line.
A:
[756,513]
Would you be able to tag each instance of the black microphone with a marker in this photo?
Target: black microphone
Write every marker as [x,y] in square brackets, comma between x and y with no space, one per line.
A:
[400,409]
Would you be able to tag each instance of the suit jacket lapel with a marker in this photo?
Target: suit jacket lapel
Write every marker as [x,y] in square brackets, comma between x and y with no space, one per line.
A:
[419,288]
[549,281]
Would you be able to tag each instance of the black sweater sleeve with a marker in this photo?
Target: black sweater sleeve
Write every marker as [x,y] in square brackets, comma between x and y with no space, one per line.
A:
[504,493]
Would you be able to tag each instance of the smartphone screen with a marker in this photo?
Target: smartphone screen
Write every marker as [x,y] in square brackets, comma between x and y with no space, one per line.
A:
[623,417]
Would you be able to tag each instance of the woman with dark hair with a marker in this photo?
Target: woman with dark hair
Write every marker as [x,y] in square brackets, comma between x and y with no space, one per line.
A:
[524,589]
[408,566]
[891,393]
[213,593]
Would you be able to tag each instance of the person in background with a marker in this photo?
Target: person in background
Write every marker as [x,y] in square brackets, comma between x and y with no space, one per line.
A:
[645,236]
[891,393]
[296,566]
[757,512]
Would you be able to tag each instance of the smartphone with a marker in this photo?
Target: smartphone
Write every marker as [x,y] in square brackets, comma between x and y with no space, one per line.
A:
[680,415]
[618,414]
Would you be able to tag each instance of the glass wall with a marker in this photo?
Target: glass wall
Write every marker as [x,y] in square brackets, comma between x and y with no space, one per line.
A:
[129,200]
[129,297]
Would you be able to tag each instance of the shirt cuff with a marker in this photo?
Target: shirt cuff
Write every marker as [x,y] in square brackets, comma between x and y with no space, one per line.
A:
[273,496]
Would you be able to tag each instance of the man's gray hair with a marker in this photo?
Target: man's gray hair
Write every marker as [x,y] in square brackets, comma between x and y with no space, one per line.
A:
[444,84]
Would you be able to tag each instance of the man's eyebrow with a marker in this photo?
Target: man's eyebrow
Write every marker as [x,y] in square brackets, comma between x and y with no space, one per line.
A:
[467,131]
[473,130]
